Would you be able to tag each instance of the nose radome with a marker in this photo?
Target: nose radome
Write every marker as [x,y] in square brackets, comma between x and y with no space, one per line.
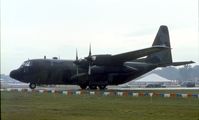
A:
[17,75]
[13,74]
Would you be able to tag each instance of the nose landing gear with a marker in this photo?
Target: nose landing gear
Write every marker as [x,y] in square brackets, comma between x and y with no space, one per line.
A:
[32,85]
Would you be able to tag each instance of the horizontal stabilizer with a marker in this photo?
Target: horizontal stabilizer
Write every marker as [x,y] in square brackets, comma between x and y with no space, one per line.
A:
[176,63]
[182,63]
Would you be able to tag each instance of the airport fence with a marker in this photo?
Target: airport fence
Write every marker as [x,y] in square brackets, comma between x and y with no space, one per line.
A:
[106,93]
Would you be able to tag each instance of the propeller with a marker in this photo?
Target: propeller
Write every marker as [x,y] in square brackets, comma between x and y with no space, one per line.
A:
[90,50]
[76,55]
[77,62]
[89,58]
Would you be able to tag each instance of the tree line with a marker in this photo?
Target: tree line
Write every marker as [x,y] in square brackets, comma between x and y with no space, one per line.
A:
[185,73]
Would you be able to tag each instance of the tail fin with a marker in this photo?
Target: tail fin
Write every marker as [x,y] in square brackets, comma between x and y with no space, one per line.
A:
[161,39]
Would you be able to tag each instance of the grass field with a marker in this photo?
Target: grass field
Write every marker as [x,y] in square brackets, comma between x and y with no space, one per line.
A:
[47,106]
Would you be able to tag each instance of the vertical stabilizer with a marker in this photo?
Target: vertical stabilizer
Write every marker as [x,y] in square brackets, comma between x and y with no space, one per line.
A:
[162,39]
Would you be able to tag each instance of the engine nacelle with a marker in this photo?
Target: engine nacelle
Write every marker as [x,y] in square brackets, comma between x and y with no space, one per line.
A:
[101,60]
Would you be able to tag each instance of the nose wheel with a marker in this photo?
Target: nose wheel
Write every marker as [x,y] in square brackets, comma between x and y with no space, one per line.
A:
[32,85]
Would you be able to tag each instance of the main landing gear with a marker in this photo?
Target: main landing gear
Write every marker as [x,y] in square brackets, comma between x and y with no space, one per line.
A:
[83,87]
[102,87]
[32,85]
[92,87]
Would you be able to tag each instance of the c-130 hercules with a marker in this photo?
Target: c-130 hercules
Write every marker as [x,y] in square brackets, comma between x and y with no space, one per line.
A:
[99,70]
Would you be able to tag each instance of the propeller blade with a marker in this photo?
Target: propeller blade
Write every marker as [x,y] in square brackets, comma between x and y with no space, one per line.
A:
[89,69]
[76,62]
[76,54]
[89,60]
[77,72]
[90,50]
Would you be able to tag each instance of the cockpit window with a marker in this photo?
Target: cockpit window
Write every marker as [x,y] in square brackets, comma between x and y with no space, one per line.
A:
[26,63]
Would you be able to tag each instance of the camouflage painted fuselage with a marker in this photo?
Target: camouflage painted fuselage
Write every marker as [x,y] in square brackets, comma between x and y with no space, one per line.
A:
[50,71]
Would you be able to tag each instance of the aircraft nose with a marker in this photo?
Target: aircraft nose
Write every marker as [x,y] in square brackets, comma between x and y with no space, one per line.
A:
[13,74]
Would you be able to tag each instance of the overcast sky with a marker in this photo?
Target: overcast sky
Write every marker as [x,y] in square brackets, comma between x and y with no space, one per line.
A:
[34,28]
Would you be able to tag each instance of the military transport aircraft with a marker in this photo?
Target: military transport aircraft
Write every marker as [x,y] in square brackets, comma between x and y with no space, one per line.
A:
[98,71]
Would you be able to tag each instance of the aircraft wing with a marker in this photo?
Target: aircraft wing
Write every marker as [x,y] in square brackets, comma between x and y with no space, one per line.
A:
[123,57]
